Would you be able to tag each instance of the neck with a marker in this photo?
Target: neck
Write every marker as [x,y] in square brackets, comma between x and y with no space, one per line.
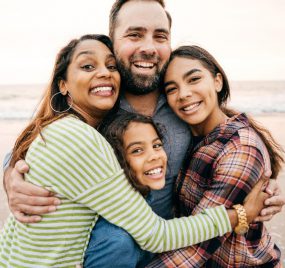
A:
[91,120]
[209,124]
[143,104]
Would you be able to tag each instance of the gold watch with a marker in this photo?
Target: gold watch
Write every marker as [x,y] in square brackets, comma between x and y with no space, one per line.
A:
[242,226]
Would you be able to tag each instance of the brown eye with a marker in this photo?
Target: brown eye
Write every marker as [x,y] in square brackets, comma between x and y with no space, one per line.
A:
[87,67]
[136,151]
[170,90]
[112,67]
[157,145]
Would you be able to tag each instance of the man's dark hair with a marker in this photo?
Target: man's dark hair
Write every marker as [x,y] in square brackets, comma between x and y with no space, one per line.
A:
[115,11]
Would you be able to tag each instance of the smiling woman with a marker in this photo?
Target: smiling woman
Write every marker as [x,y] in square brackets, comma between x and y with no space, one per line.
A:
[226,158]
[92,98]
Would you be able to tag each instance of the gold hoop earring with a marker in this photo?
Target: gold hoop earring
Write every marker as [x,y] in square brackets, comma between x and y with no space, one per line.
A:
[69,105]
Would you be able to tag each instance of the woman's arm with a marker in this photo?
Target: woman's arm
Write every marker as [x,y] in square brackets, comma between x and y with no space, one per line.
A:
[78,162]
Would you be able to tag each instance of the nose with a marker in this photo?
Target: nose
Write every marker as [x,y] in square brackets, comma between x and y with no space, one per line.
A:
[103,71]
[148,46]
[153,155]
[184,93]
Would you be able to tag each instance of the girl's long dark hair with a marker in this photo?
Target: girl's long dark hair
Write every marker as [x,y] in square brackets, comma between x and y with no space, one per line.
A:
[114,129]
[274,149]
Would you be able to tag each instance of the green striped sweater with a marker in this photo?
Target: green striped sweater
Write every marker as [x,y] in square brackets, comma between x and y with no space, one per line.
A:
[79,165]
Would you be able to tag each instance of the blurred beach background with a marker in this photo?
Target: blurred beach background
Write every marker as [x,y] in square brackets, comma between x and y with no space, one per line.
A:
[246,37]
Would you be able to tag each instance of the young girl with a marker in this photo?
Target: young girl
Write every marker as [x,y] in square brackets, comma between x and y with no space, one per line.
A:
[67,155]
[228,154]
[138,145]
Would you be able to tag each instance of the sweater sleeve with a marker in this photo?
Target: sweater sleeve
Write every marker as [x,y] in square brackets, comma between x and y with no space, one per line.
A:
[79,164]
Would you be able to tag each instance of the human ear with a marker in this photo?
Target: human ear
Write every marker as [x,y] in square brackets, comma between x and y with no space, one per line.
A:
[62,87]
[218,82]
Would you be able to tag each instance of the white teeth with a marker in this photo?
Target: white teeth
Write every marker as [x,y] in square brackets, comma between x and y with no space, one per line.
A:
[97,89]
[190,107]
[154,171]
[144,64]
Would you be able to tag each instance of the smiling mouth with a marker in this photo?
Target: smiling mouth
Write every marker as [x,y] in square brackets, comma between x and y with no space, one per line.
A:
[191,107]
[144,65]
[154,171]
[101,89]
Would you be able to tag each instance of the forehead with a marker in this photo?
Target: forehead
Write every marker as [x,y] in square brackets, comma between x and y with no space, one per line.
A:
[137,131]
[93,47]
[184,63]
[180,65]
[147,14]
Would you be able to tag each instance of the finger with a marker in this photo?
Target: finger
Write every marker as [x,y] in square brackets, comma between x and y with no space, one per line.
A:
[270,211]
[35,210]
[33,200]
[21,217]
[263,218]
[28,188]
[273,187]
[275,201]
[21,166]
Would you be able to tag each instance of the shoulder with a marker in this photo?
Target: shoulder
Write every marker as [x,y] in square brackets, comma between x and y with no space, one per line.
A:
[246,141]
[70,127]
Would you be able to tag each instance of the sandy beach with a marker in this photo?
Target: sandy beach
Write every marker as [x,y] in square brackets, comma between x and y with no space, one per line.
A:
[274,122]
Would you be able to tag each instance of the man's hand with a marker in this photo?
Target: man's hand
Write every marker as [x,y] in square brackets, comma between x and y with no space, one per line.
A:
[273,204]
[27,201]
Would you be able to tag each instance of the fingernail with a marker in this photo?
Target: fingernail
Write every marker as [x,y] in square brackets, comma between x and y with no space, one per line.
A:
[51,209]
[269,192]
[262,213]
[267,203]
[38,218]
[56,202]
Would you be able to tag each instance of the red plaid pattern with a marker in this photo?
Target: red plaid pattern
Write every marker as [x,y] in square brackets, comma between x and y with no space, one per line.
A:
[222,169]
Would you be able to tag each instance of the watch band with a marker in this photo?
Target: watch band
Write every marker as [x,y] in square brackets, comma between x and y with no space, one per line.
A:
[242,226]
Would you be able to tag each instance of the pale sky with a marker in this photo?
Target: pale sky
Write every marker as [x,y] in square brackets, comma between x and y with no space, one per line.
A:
[246,36]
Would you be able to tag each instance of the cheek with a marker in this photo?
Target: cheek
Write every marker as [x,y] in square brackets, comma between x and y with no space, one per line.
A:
[124,49]
[164,51]
[163,156]
[117,79]
[171,99]
[135,165]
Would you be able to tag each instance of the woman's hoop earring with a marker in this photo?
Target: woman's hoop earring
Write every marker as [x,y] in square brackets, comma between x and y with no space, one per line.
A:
[70,105]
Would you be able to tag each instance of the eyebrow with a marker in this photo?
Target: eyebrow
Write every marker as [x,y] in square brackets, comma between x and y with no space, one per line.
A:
[139,142]
[184,76]
[87,52]
[143,29]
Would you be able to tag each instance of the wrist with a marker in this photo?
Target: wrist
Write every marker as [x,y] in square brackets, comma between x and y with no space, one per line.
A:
[233,217]
[6,177]
[242,226]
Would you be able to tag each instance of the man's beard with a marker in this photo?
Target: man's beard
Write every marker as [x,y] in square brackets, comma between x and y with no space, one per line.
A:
[139,84]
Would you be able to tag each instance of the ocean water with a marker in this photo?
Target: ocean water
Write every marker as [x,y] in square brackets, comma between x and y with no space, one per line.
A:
[19,102]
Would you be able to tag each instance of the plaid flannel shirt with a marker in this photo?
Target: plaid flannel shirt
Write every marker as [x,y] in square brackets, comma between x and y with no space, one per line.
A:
[222,169]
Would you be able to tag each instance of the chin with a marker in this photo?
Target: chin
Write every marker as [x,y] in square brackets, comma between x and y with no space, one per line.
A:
[157,186]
